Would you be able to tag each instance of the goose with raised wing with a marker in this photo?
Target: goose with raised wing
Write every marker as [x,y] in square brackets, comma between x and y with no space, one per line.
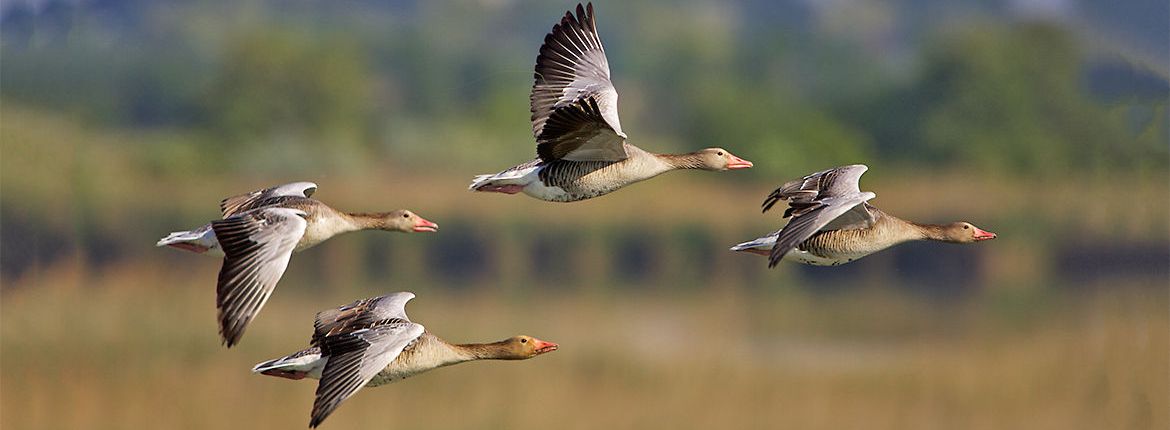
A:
[581,149]
[832,222]
[257,236]
[371,342]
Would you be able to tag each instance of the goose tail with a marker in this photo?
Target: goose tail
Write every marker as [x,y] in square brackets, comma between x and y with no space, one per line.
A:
[200,241]
[762,246]
[510,181]
[299,365]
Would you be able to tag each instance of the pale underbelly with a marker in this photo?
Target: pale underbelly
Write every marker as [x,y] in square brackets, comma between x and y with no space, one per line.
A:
[805,257]
[567,194]
[389,375]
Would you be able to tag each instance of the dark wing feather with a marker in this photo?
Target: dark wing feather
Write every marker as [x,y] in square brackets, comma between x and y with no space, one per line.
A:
[257,246]
[577,132]
[808,218]
[257,199]
[355,358]
[826,200]
[834,182]
[361,314]
[573,73]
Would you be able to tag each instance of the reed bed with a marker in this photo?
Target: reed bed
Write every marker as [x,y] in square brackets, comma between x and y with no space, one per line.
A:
[136,348]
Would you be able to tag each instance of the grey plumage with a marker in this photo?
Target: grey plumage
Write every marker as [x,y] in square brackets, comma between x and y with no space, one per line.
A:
[360,340]
[581,149]
[260,198]
[257,245]
[573,102]
[820,201]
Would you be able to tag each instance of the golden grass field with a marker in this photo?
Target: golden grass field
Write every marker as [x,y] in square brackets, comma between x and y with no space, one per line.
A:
[137,349]
[129,341]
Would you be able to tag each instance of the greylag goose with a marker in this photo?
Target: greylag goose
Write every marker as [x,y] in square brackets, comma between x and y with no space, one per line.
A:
[833,224]
[260,231]
[581,150]
[371,342]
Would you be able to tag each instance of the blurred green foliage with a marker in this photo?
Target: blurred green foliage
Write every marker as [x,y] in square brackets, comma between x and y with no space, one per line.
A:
[449,81]
[281,82]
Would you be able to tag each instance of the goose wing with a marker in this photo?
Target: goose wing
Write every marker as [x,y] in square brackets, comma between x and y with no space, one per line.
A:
[244,202]
[826,200]
[360,314]
[765,241]
[257,245]
[808,218]
[573,102]
[360,348]
[835,182]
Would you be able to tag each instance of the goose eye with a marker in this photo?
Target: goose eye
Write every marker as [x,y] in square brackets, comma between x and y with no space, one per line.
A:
[966,227]
[406,215]
[719,153]
[522,340]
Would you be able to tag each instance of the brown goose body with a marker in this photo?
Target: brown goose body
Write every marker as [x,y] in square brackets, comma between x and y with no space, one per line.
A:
[322,221]
[835,247]
[570,181]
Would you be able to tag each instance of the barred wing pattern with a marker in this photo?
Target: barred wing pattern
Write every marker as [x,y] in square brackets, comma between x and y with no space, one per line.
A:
[573,102]
[360,314]
[257,199]
[826,200]
[359,342]
[257,245]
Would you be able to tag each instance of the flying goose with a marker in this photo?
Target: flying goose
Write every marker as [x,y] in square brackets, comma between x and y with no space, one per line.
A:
[260,231]
[833,224]
[581,149]
[371,342]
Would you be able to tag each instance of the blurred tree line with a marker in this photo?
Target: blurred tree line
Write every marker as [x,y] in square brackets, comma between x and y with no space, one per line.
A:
[173,98]
[449,81]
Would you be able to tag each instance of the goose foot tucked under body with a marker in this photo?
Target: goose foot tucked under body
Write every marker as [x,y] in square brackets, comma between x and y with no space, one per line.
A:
[289,374]
[186,246]
[506,189]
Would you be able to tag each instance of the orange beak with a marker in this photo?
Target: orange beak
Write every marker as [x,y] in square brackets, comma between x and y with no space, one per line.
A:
[543,347]
[737,163]
[983,234]
[424,225]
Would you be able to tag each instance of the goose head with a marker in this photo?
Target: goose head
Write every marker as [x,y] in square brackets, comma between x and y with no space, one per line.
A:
[965,232]
[720,159]
[524,347]
[405,221]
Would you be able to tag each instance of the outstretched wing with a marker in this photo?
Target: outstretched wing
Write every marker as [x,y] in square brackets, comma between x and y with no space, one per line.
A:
[573,102]
[257,246]
[355,358]
[256,199]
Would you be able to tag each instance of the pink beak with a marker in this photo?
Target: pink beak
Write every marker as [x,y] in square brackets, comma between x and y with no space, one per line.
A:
[543,347]
[737,163]
[983,234]
[424,225]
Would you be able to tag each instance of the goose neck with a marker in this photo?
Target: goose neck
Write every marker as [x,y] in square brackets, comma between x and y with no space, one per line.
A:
[364,221]
[681,161]
[928,232]
[484,351]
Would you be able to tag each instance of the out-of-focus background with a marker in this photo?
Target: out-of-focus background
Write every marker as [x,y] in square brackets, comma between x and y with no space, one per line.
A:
[1044,121]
